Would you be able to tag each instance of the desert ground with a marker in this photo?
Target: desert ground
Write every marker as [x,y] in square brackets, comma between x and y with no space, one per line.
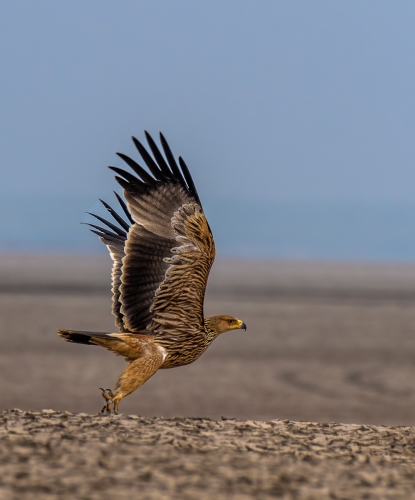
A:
[327,362]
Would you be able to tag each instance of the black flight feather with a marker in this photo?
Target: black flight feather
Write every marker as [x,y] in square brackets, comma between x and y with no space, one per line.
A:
[105,237]
[158,156]
[124,207]
[172,162]
[189,180]
[119,219]
[145,176]
[148,160]
[106,232]
[127,176]
[116,229]
[123,183]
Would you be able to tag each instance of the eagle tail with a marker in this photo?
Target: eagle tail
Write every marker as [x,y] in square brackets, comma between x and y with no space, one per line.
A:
[80,337]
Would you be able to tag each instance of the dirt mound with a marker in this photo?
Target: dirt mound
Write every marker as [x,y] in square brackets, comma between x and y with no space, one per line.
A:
[62,455]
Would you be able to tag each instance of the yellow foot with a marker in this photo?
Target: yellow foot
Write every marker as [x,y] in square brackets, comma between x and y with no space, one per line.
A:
[108,395]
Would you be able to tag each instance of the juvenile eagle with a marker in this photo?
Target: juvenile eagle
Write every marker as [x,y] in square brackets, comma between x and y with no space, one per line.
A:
[162,254]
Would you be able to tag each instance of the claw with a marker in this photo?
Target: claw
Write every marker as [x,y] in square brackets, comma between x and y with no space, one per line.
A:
[108,395]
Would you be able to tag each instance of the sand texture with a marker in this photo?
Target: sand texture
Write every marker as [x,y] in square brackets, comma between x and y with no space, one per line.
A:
[62,455]
[326,342]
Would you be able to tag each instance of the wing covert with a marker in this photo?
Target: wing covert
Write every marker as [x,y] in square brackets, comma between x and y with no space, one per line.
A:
[178,303]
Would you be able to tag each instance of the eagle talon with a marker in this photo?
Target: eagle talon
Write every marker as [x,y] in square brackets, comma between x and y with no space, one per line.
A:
[108,395]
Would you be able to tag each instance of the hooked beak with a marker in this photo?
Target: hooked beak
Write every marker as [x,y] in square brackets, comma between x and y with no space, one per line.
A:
[242,325]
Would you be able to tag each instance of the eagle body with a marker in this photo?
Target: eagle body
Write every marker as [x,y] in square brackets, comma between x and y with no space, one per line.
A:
[162,255]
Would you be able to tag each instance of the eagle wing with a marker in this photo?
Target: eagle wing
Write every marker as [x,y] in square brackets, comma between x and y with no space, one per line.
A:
[163,255]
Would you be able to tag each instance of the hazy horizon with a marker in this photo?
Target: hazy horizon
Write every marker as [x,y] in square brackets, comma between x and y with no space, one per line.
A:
[307,231]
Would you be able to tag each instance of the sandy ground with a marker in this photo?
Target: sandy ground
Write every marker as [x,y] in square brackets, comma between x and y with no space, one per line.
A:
[326,342]
[65,456]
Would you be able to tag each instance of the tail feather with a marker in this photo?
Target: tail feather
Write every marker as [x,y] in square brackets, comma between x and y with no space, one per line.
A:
[80,337]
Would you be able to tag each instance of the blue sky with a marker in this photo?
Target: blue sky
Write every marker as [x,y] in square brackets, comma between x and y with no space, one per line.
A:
[297,119]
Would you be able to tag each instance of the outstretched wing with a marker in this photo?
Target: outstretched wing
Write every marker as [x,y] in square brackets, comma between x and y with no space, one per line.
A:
[162,261]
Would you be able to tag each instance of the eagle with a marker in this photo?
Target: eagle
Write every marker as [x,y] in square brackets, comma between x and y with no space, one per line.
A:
[162,250]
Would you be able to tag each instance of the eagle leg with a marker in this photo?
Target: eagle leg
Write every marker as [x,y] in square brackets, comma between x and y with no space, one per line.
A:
[134,376]
[108,395]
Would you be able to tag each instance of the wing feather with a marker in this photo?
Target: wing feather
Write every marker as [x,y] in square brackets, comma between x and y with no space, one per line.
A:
[178,303]
[162,261]
[119,219]
[115,241]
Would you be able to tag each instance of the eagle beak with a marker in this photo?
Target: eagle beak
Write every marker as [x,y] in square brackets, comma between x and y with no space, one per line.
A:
[242,325]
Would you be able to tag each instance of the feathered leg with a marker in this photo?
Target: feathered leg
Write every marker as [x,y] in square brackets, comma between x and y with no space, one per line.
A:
[136,373]
[145,358]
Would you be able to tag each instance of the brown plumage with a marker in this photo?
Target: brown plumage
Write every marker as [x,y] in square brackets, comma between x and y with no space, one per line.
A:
[161,263]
